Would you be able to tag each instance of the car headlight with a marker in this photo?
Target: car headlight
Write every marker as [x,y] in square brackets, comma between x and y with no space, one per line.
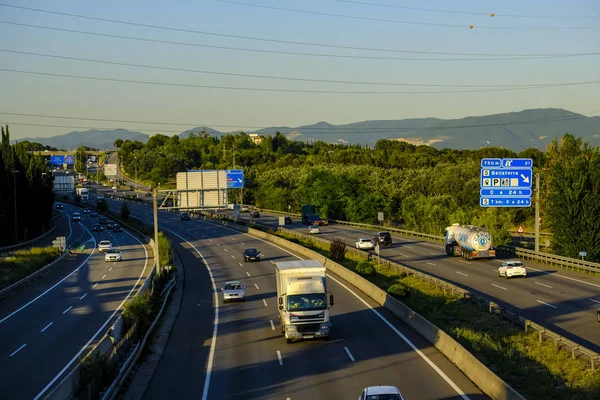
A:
[324,327]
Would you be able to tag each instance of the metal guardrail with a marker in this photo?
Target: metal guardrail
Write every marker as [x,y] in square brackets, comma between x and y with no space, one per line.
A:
[530,234]
[18,246]
[551,259]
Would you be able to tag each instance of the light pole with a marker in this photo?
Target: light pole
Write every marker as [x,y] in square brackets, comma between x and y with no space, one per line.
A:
[15,172]
[135,157]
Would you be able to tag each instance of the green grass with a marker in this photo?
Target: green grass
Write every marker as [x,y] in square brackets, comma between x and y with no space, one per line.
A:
[25,262]
[536,370]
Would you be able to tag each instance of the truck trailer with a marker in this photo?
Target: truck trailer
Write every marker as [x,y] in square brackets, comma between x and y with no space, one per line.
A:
[310,216]
[83,193]
[470,242]
[302,298]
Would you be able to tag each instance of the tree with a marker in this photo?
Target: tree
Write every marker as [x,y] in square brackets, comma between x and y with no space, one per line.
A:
[125,211]
[118,143]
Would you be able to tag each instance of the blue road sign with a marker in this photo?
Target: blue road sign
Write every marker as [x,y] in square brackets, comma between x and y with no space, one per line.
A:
[505,201]
[235,178]
[57,160]
[506,182]
[69,160]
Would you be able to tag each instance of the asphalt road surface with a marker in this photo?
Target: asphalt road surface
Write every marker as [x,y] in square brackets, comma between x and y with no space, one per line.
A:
[244,355]
[45,326]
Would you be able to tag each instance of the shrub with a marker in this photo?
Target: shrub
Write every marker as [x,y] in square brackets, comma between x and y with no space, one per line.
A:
[399,290]
[337,250]
[139,310]
[365,269]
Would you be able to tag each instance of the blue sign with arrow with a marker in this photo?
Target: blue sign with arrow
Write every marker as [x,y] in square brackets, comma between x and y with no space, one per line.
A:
[235,178]
[57,160]
[506,182]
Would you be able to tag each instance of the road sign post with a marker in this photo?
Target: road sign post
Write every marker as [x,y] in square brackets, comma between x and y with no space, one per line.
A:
[60,243]
[506,182]
[582,254]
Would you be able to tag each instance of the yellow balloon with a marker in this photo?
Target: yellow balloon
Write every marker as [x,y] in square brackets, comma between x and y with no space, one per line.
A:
[492,14]
[470,26]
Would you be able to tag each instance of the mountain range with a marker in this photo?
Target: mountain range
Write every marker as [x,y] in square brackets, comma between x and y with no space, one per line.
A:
[516,131]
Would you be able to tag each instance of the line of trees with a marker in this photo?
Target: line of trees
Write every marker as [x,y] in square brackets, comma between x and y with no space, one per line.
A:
[32,185]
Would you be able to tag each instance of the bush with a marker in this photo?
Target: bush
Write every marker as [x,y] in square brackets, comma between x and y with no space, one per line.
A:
[139,310]
[125,211]
[365,269]
[164,250]
[399,290]
[337,250]
[96,365]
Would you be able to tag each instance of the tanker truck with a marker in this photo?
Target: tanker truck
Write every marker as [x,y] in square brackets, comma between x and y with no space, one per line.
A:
[470,242]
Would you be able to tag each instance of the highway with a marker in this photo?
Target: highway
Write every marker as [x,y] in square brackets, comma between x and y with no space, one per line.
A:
[244,356]
[45,326]
[564,301]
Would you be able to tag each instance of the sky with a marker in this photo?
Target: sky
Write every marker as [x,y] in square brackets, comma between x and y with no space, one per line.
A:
[215,42]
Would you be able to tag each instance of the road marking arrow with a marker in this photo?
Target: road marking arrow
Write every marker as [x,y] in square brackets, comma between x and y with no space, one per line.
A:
[525,178]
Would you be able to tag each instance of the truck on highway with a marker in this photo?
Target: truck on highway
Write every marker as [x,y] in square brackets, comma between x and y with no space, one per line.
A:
[470,242]
[302,299]
[310,216]
[83,193]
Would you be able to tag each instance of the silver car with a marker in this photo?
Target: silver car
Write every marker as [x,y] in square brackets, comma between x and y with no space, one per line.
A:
[233,290]
[113,255]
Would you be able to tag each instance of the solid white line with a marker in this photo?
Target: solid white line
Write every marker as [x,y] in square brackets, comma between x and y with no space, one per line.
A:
[464,262]
[82,297]
[430,263]
[272,262]
[265,302]
[272,325]
[595,301]
[349,354]
[17,350]
[500,287]
[67,310]
[213,342]
[46,327]
[247,273]
[94,287]
[55,285]
[546,304]
[240,264]
[406,340]
[541,284]
[460,273]
[104,276]
[85,346]
[227,251]
[256,286]
[279,357]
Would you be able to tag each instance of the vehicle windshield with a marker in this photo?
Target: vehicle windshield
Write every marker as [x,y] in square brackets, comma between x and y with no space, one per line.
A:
[514,264]
[251,251]
[233,286]
[384,397]
[307,302]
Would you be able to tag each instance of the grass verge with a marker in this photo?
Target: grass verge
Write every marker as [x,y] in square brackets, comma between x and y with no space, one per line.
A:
[25,262]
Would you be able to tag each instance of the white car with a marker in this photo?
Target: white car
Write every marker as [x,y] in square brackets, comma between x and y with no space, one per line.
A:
[76,216]
[512,268]
[365,244]
[114,188]
[104,245]
[381,393]
[113,255]
[313,229]
[233,290]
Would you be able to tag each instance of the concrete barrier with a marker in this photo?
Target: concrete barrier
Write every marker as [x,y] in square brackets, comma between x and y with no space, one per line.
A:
[475,370]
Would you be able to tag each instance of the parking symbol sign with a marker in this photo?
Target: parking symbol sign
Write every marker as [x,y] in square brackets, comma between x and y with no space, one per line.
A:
[496,182]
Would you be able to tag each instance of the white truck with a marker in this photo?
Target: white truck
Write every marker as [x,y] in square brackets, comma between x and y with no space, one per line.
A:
[302,298]
[82,193]
[470,242]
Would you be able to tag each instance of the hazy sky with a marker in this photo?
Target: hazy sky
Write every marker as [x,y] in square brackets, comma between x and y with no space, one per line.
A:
[231,109]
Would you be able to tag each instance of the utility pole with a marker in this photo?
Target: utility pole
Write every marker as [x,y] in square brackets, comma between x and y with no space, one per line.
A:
[15,172]
[233,152]
[537,212]
[135,176]
[156,254]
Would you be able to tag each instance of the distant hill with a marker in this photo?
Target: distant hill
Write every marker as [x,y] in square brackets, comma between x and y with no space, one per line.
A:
[516,131]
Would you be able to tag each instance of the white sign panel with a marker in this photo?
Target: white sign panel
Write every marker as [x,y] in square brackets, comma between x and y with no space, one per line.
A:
[110,169]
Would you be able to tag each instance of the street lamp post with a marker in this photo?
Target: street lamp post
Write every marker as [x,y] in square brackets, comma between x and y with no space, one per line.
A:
[15,172]
[135,157]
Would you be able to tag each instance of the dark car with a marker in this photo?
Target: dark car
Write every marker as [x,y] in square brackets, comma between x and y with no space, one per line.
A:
[98,228]
[288,220]
[110,224]
[383,239]
[59,207]
[251,254]
[254,214]
[102,220]
[184,216]
[116,228]
[598,315]
[93,214]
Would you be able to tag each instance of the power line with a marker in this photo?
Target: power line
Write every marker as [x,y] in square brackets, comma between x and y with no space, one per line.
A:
[395,21]
[369,57]
[466,12]
[189,85]
[265,76]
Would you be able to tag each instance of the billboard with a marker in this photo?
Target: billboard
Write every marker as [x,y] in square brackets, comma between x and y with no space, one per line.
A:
[110,169]
[69,160]
[201,188]
[235,178]
[57,160]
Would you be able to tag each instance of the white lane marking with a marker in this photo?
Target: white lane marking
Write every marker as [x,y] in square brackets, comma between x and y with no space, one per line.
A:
[430,263]
[67,310]
[110,269]
[404,255]
[272,325]
[431,252]
[499,287]
[546,304]
[460,273]
[18,350]
[115,263]
[595,301]
[256,286]
[273,262]
[85,346]
[232,238]
[464,262]
[541,284]
[566,277]
[279,357]
[218,245]
[227,251]
[265,302]
[232,256]
[82,297]
[242,242]
[240,264]
[104,276]
[406,340]
[349,354]
[94,287]
[55,285]
[210,240]
[247,273]
[213,342]
[46,327]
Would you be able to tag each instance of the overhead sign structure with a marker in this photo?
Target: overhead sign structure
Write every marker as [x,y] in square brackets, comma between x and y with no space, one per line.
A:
[60,243]
[235,178]
[69,160]
[506,182]
[110,169]
[57,160]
